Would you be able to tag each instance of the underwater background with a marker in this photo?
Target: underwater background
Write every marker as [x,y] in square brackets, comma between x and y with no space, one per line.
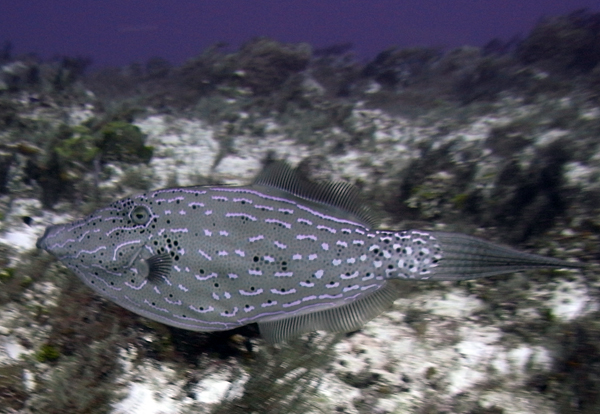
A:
[478,118]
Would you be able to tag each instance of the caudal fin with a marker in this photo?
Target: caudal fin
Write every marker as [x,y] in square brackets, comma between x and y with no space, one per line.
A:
[466,257]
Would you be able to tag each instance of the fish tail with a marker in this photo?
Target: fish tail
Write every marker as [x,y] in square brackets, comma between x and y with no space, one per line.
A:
[466,257]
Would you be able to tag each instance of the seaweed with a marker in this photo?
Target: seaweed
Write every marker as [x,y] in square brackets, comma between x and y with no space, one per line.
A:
[402,67]
[574,380]
[82,383]
[12,391]
[283,379]
[47,353]
[565,45]
[73,154]
[266,64]
[124,142]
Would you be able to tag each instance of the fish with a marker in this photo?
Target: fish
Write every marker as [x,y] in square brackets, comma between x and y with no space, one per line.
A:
[287,253]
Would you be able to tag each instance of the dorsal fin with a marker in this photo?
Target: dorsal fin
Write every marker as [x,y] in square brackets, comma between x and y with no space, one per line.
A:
[343,196]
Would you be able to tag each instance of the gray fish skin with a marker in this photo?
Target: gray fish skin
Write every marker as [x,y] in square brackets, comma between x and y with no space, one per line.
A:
[215,258]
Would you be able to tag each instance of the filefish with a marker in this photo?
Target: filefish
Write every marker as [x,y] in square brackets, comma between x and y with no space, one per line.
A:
[289,254]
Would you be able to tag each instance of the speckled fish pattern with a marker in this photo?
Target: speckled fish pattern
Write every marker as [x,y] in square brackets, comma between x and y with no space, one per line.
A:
[291,256]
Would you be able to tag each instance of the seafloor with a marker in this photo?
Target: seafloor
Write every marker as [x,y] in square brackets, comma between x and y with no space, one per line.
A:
[501,142]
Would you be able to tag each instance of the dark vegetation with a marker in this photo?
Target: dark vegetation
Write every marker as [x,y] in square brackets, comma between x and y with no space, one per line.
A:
[307,92]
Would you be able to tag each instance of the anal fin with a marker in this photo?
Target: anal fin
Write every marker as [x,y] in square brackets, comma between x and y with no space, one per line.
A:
[346,318]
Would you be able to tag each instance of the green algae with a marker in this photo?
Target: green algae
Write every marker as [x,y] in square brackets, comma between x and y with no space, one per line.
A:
[6,274]
[47,353]
[123,141]
[12,390]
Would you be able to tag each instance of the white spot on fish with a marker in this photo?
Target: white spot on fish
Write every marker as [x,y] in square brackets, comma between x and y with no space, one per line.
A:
[331,296]
[207,257]
[244,200]
[352,276]
[269,303]
[329,229]
[120,246]
[202,278]
[136,287]
[152,305]
[283,292]
[202,310]
[294,303]
[268,208]
[306,236]
[282,223]
[243,215]
[244,293]
[369,287]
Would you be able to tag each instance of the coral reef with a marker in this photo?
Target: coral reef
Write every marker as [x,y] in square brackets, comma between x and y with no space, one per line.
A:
[499,141]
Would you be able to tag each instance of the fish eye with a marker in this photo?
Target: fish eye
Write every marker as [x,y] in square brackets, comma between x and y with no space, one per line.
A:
[140,215]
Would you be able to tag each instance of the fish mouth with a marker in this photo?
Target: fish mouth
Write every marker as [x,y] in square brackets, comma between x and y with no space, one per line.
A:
[41,242]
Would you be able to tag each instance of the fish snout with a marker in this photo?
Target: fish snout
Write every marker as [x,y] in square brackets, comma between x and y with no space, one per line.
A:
[42,242]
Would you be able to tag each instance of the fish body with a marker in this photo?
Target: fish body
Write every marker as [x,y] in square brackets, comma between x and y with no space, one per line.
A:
[290,255]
